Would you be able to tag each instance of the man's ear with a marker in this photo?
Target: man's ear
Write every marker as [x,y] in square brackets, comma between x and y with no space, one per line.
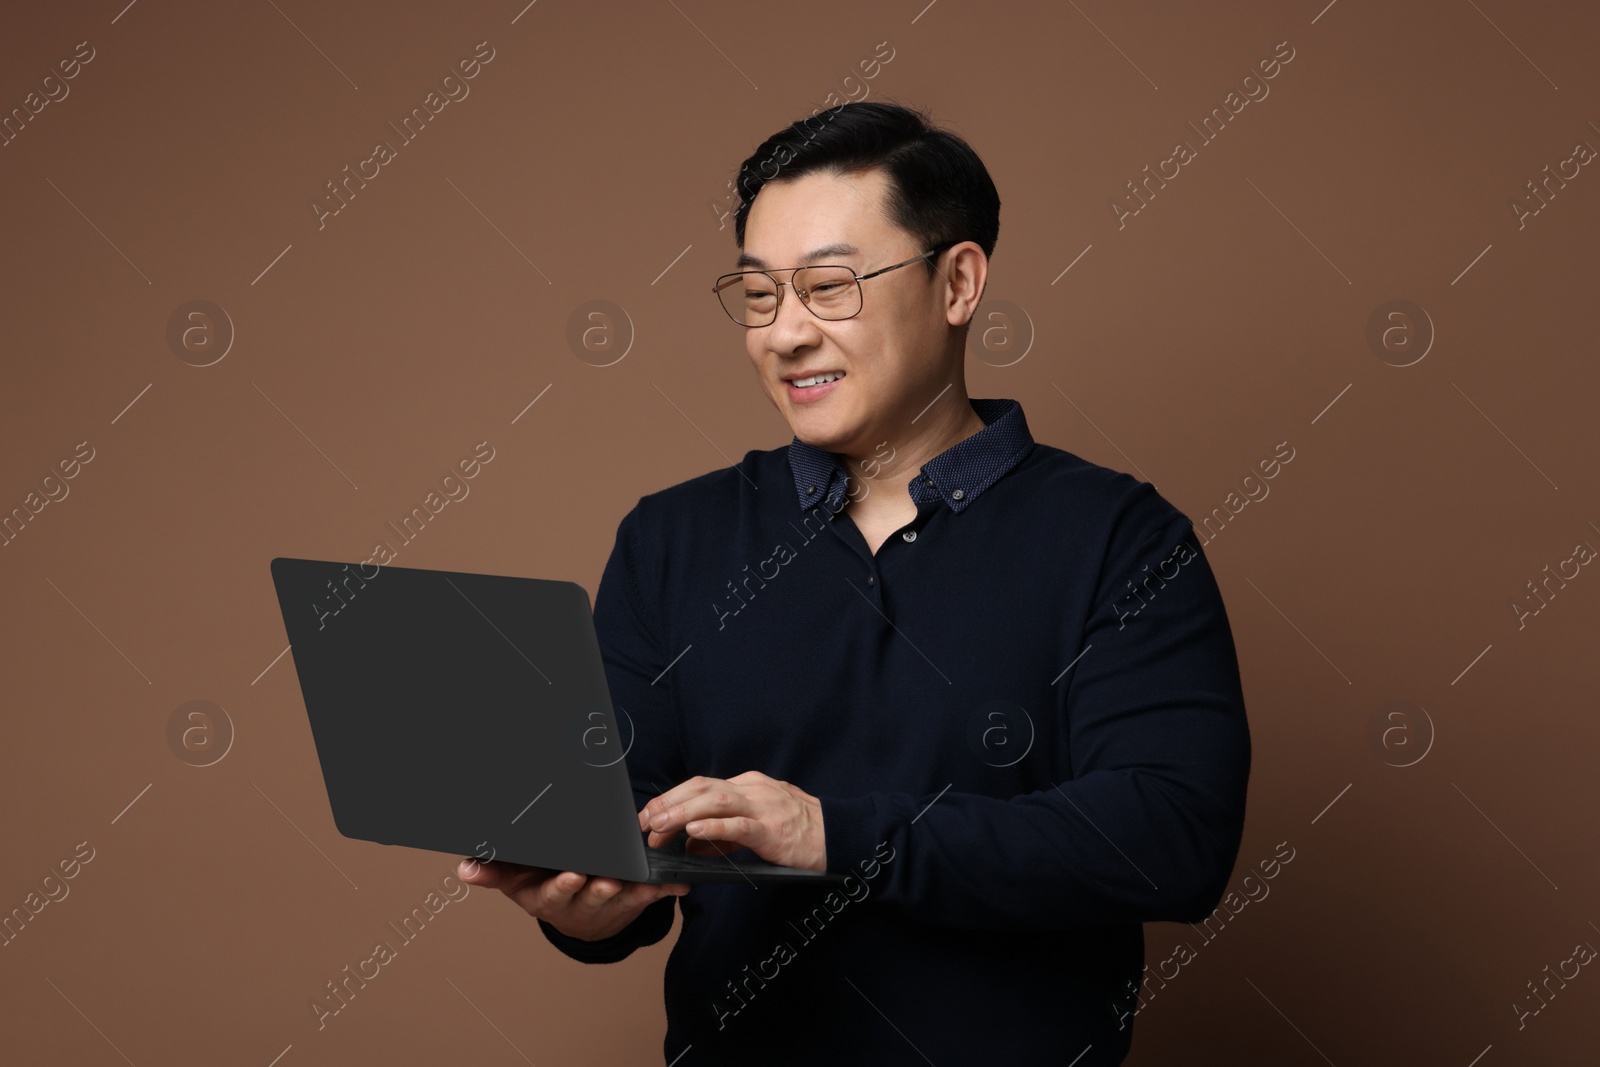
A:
[966,273]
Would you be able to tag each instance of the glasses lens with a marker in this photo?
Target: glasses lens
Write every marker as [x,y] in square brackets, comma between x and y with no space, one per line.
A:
[750,298]
[830,292]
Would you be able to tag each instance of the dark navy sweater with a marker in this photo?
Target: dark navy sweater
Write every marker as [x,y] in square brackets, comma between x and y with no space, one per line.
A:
[1022,716]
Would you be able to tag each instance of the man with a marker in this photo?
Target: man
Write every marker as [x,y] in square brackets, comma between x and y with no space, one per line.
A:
[992,681]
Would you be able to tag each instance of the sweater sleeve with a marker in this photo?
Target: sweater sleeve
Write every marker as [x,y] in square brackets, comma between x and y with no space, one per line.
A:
[651,926]
[1146,822]
[633,649]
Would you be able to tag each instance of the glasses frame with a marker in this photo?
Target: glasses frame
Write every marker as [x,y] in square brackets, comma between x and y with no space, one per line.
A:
[861,299]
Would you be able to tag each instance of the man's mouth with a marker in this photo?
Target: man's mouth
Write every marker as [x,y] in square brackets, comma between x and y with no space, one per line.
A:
[818,379]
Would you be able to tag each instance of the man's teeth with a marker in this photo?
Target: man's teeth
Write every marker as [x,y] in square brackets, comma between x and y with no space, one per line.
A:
[806,383]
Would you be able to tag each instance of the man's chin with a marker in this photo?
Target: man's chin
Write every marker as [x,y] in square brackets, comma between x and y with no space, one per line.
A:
[825,425]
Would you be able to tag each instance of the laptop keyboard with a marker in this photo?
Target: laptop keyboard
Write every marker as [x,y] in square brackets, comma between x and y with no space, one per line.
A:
[667,859]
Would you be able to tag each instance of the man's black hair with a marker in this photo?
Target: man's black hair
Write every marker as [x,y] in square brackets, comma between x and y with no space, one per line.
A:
[939,190]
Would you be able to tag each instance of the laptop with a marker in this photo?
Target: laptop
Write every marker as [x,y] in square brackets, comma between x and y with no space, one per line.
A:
[469,714]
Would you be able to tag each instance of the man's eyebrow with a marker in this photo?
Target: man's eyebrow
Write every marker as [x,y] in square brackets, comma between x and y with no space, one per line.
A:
[837,249]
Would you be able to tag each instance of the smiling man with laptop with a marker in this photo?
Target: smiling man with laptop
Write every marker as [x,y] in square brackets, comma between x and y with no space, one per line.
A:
[900,649]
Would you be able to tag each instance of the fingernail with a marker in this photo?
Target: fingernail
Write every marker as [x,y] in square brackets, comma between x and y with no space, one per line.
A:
[694,827]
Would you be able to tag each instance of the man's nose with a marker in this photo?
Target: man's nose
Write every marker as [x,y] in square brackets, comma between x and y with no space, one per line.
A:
[794,327]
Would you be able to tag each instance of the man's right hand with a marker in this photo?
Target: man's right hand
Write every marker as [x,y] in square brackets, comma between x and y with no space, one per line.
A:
[577,905]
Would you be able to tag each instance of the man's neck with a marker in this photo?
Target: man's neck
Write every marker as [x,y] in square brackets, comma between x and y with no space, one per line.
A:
[889,467]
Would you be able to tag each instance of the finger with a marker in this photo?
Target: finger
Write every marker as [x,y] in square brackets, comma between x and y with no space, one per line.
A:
[673,798]
[599,895]
[568,884]
[556,893]
[658,808]
[638,895]
[496,874]
[737,830]
[634,896]
[696,846]
[668,835]
[720,798]
[525,886]
[671,889]
[662,838]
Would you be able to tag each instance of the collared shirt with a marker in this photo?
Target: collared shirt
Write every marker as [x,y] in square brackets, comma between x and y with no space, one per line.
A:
[957,475]
[1023,720]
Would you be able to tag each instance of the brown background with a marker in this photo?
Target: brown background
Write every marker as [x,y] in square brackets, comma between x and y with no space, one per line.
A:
[588,163]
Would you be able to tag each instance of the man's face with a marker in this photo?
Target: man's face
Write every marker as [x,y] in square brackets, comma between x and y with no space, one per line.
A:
[892,353]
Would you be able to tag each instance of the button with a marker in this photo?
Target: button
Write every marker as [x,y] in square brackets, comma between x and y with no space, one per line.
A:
[810,489]
[956,494]
[910,535]
[870,579]
[927,481]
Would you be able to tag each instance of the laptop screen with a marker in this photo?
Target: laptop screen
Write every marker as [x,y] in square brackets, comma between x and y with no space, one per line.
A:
[463,713]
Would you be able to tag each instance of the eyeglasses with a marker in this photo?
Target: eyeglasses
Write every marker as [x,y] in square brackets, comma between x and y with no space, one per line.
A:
[831,291]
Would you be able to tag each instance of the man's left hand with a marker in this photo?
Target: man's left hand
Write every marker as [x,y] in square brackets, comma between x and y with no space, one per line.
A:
[780,822]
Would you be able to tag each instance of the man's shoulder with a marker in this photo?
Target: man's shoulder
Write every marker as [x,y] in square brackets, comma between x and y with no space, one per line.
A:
[717,494]
[1089,493]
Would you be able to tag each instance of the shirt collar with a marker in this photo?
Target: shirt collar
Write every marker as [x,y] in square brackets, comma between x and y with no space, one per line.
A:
[957,475]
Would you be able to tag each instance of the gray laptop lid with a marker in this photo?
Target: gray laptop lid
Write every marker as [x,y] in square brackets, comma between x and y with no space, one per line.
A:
[463,713]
